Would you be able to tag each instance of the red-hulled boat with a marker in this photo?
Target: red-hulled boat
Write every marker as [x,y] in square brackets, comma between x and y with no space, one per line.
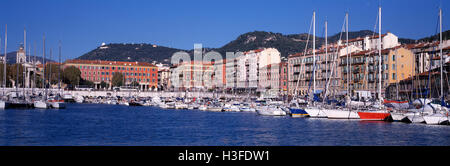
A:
[374,115]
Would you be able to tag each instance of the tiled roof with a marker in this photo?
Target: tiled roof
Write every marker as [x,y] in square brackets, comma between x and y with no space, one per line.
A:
[101,62]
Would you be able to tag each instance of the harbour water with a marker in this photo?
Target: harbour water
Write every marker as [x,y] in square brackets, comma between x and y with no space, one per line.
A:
[100,124]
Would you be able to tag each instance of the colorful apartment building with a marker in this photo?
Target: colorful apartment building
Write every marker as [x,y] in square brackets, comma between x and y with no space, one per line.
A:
[97,71]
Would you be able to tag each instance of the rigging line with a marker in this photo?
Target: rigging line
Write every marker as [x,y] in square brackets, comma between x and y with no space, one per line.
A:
[301,60]
[335,55]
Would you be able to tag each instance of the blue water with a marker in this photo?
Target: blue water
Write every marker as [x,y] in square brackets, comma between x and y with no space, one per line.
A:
[93,124]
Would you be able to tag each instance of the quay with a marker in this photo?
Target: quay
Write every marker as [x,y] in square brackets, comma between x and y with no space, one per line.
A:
[111,93]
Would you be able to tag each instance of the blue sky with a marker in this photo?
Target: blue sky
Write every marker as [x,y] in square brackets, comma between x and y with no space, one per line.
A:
[82,25]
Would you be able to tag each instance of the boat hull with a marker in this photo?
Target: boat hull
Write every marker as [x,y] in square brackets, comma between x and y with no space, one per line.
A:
[270,112]
[398,117]
[3,104]
[435,119]
[57,104]
[316,113]
[298,113]
[416,118]
[40,104]
[378,116]
[341,114]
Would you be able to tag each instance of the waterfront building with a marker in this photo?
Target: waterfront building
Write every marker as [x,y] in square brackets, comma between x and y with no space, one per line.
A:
[284,77]
[424,84]
[300,68]
[163,76]
[388,40]
[192,76]
[256,71]
[396,64]
[423,53]
[97,71]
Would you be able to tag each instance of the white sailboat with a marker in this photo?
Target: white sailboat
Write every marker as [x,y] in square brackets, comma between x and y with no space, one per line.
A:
[442,116]
[2,102]
[398,116]
[346,113]
[42,104]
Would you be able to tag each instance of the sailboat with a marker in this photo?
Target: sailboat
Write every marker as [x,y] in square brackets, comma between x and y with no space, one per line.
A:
[297,106]
[42,104]
[345,113]
[381,113]
[314,111]
[3,103]
[442,116]
[56,101]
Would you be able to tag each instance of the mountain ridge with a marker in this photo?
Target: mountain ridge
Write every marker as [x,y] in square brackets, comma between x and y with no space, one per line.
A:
[286,44]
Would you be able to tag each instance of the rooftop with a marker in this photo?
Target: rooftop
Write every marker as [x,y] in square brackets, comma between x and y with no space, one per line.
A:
[101,62]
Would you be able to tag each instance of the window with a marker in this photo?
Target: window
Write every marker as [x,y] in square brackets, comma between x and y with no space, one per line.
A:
[393,58]
[393,66]
[393,76]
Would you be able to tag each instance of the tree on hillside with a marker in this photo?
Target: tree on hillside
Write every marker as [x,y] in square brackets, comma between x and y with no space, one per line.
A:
[117,79]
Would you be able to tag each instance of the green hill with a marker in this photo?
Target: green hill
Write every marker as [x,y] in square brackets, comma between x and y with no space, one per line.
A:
[286,44]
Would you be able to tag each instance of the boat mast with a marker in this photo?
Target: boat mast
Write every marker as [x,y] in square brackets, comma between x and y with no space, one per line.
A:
[50,72]
[379,54]
[34,69]
[326,52]
[4,60]
[25,49]
[59,71]
[314,53]
[348,59]
[441,61]
[43,84]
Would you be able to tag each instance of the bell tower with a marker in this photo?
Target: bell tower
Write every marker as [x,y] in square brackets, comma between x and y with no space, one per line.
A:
[21,57]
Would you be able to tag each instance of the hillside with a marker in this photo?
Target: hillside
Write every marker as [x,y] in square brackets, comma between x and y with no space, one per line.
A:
[130,52]
[286,44]
[445,36]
